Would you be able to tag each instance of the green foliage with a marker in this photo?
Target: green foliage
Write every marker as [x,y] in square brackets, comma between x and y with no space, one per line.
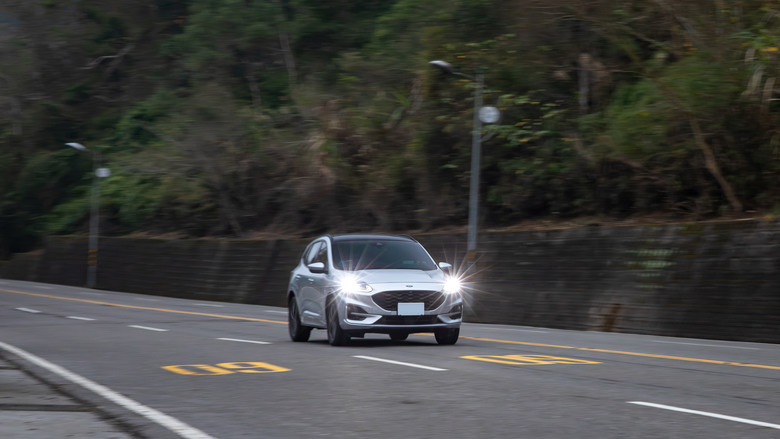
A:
[639,120]
[221,117]
[137,197]
[77,93]
[64,217]
[44,183]
[136,126]
[704,85]
[643,118]
[219,30]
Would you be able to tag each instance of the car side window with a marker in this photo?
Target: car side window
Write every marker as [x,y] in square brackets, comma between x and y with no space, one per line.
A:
[312,252]
[322,254]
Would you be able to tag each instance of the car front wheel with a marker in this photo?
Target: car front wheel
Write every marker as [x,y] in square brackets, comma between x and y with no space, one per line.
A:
[447,336]
[298,332]
[336,335]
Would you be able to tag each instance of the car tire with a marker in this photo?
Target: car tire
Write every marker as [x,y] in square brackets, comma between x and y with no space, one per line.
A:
[298,332]
[399,336]
[447,336]
[336,335]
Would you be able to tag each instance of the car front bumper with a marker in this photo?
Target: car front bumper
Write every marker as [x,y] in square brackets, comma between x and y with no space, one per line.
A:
[362,313]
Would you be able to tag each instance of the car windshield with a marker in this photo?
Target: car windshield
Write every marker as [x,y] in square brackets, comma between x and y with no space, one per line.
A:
[380,255]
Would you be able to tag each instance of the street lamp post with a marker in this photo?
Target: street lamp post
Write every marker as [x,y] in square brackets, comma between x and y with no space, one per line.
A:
[480,115]
[476,156]
[94,217]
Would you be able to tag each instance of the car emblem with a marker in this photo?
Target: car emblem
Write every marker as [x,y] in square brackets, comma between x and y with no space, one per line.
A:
[410,286]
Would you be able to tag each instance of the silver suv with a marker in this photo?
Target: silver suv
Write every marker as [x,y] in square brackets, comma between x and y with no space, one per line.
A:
[357,284]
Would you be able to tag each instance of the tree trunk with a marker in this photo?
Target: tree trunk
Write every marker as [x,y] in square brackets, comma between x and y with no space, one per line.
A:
[712,165]
[289,59]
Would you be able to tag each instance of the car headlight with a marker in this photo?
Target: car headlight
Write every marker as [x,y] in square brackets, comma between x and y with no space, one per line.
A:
[452,285]
[351,285]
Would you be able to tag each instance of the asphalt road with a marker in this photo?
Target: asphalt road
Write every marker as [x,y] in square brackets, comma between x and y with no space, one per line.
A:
[172,368]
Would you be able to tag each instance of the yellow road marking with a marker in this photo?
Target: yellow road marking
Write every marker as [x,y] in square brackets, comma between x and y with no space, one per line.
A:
[225,368]
[146,308]
[636,354]
[196,369]
[491,340]
[528,360]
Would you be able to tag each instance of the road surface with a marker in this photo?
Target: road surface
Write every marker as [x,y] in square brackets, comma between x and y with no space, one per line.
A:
[175,368]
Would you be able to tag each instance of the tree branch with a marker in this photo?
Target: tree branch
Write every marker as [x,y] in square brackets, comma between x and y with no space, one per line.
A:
[99,60]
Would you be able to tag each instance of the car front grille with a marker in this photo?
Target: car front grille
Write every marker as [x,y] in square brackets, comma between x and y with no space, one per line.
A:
[389,300]
[408,320]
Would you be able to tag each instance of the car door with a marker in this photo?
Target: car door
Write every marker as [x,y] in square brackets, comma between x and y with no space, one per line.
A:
[321,283]
[313,285]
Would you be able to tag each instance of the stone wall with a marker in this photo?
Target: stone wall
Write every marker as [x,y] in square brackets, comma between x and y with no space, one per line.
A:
[705,280]
[226,270]
[716,280]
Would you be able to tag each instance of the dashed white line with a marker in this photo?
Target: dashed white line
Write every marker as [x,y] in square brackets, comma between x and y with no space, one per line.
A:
[30,310]
[276,312]
[45,288]
[711,415]
[148,328]
[146,299]
[244,341]
[400,363]
[176,426]
[80,318]
[209,304]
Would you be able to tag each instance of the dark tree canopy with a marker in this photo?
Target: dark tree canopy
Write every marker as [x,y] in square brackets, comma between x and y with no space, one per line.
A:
[231,117]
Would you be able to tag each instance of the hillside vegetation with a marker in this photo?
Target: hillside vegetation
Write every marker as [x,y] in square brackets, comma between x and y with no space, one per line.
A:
[229,117]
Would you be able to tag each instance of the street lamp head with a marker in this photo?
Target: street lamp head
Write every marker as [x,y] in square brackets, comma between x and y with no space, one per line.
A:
[78,146]
[444,66]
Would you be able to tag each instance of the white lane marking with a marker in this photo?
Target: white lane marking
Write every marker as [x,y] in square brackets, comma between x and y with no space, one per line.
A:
[711,415]
[92,293]
[148,328]
[707,345]
[209,304]
[156,416]
[244,341]
[146,299]
[80,318]
[45,288]
[30,310]
[399,363]
[276,312]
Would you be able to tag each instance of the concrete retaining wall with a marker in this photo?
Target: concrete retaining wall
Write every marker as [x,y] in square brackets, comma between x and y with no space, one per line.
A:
[704,280]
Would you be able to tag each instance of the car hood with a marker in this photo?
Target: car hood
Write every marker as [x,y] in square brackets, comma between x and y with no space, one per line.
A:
[400,276]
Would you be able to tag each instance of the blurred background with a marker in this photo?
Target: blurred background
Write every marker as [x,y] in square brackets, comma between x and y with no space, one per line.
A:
[244,118]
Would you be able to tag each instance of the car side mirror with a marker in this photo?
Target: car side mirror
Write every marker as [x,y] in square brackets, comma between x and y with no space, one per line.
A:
[445,266]
[317,267]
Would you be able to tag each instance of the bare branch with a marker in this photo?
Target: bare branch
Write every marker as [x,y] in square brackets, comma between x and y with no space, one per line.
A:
[99,60]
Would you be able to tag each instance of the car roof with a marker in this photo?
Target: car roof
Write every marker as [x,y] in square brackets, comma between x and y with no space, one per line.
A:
[371,237]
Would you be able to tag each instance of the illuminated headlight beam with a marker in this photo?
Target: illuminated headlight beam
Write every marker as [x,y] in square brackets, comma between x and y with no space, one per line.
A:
[452,285]
[351,285]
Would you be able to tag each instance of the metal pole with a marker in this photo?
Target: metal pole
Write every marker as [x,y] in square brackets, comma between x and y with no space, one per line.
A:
[94,223]
[476,153]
